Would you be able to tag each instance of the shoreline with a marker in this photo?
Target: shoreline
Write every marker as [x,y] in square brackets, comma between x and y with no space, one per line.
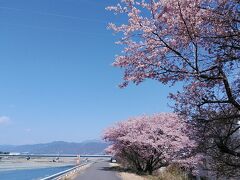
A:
[11,164]
[32,168]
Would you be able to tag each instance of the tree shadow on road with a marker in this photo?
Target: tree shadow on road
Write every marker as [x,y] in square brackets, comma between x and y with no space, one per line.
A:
[117,168]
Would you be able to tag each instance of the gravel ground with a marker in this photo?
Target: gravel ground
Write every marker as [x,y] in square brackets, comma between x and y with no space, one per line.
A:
[127,175]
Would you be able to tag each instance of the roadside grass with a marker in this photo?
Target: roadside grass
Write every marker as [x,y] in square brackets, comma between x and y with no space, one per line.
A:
[170,173]
[173,173]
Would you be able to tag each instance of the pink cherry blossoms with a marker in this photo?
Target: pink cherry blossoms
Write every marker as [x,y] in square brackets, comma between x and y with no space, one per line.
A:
[182,40]
[147,143]
[197,43]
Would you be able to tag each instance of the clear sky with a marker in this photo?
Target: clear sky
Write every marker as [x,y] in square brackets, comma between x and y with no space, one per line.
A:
[56,78]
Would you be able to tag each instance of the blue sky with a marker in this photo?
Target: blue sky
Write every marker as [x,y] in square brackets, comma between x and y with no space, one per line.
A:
[57,82]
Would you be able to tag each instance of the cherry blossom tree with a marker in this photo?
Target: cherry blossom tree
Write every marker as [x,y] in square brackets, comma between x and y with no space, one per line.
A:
[193,42]
[147,143]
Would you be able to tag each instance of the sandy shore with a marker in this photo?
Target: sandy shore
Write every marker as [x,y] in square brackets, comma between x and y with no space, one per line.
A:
[14,163]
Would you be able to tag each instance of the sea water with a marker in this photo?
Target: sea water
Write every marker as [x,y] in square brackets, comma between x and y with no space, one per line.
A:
[31,174]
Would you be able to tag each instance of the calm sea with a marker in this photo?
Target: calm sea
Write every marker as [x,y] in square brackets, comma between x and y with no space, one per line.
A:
[31,174]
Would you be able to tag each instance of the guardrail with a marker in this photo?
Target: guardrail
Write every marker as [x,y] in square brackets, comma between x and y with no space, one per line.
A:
[54,176]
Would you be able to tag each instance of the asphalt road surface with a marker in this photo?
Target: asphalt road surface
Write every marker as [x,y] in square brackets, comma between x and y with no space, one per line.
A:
[98,171]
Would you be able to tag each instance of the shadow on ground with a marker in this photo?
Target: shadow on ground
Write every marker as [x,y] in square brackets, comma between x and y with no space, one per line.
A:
[117,169]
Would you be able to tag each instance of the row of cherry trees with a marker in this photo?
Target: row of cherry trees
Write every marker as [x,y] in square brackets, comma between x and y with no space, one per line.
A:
[147,143]
[196,42]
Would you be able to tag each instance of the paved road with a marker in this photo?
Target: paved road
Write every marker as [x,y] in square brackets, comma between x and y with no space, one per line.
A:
[98,171]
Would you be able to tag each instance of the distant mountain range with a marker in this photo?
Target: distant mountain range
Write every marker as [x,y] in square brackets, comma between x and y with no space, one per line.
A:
[58,147]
